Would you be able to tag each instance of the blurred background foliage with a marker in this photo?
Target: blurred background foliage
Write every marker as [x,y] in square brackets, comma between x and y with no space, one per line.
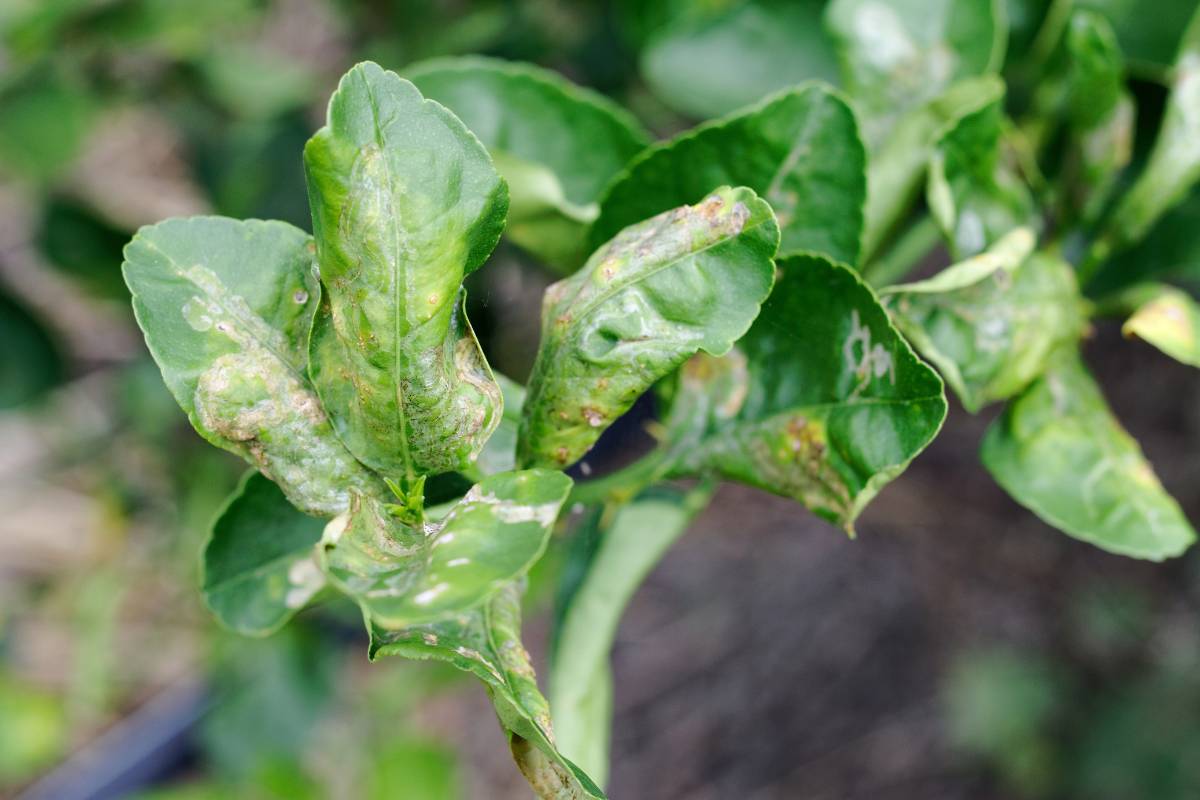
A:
[118,113]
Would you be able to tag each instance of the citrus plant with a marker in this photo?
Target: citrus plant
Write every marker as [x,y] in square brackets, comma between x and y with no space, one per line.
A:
[750,272]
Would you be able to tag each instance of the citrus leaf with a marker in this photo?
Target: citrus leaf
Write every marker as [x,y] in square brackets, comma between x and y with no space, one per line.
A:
[1171,322]
[799,150]
[259,566]
[556,144]
[405,204]
[688,280]
[1059,452]
[226,307]
[822,401]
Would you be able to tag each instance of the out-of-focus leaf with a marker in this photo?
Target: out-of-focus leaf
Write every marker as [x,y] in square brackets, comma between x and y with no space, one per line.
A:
[1006,254]
[226,307]
[426,770]
[33,731]
[709,64]
[486,642]
[556,144]
[1174,163]
[898,55]
[973,193]
[687,280]
[255,83]
[44,118]
[1059,452]
[1170,322]
[1148,35]
[990,338]
[84,247]
[403,574]
[259,565]
[30,361]
[1171,250]
[631,543]
[822,401]
[405,204]
[800,150]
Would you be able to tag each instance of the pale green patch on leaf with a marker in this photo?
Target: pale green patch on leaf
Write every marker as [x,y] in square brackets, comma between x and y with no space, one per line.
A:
[632,541]
[405,204]
[556,144]
[989,338]
[259,561]
[226,307]
[687,280]
[799,150]
[405,574]
[1059,452]
[486,642]
[822,401]
[973,191]
[1171,322]
[709,64]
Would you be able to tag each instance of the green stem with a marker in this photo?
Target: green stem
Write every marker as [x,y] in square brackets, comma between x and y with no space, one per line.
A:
[627,482]
[905,254]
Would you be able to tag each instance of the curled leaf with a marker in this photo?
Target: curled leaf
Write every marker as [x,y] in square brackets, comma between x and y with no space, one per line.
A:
[1171,322]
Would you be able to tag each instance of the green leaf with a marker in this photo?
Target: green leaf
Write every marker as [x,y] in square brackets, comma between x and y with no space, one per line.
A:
[974,194]
[799,150]
[1171,250]
[45,116]
[500,452]
[1174,163]
[989,338]
[709,64]
[259,566]
[687,280]
[1149,39]
[1006,254]
[30,361]
[405,204]
[226,307]
[822,401]
[486,642]
[403,575]
[1170,322]
[1059,452]
[556,144]
[631,543]
[898,55]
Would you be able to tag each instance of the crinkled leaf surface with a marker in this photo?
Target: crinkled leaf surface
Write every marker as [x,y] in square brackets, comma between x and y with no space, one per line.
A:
[899,54]
[405,203]
[1171,322]
[402,574]
[1174,163]
[556,144]
[500,452]
[486,642]
[709,64]
[687,280]
[226,307]
[259,561]
[993,336]
[631,543]
[822,401]
[974,194]
[1060,453]
[800,151]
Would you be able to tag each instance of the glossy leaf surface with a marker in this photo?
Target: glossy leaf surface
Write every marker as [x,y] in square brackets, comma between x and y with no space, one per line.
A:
[1060,453]
[556,144]
[687,280]
[799,150]
[404,574]
[1171,322]
[822,401]
[259,562]
[486,642]
[706,65]
[405,204]
[991,337]
[226,307]
[631,544]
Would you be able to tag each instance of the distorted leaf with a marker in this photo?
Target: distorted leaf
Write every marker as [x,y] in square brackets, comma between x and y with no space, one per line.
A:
[822,401]
[1170,322]
[709,64]
[556,144]
[1059,452]
[800,151]
[226,307]
[259,566]
[405,204]
[687,280]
